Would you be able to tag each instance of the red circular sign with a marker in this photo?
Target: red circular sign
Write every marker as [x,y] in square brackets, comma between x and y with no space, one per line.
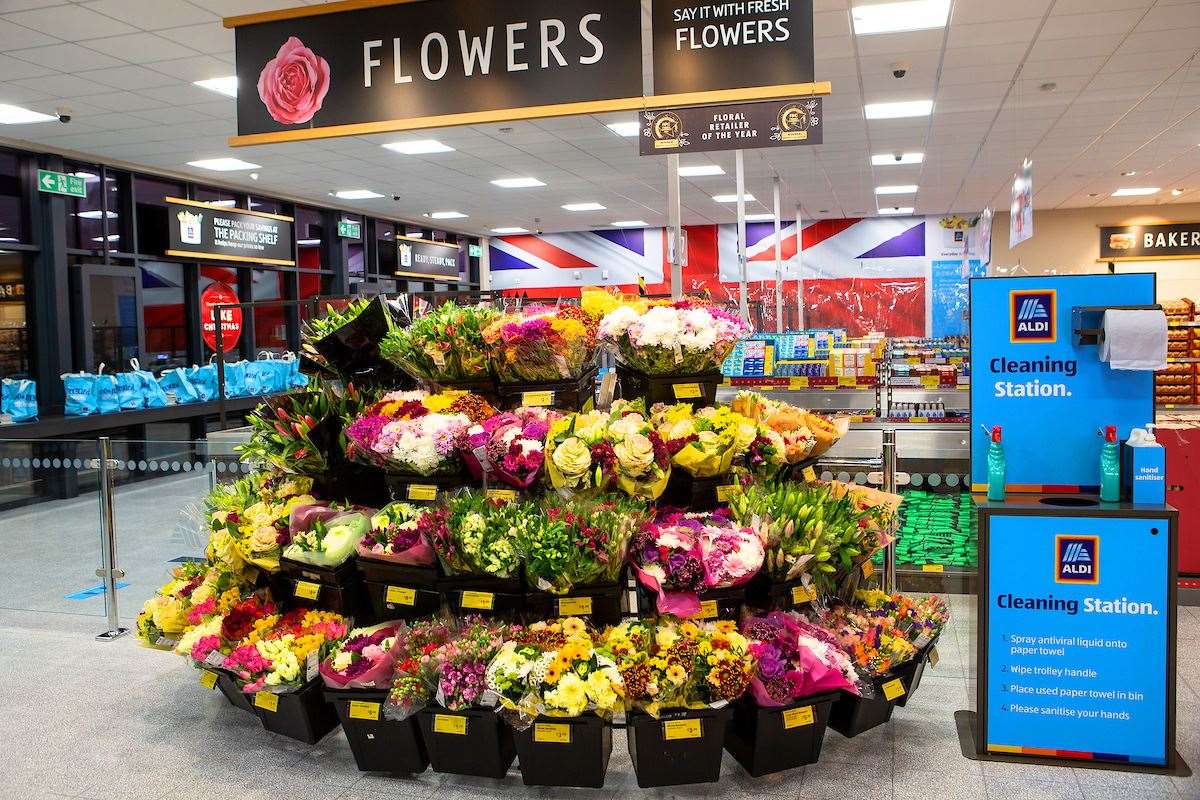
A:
[220,294]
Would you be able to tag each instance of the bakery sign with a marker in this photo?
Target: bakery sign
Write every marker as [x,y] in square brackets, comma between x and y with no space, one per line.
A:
[421,258]
[219,233]
[1150,242]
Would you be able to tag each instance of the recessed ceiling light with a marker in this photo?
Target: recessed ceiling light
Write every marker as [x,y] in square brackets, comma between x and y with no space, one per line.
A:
[627,129]
[1139,191]
[517,183]
[732,198]
[223,164]
[227,85]
[760,218]
[1176,192]
[224,203]
[896,211]
[631,223]
[112,237]
[700,171]
[910,188]
[910,108]
[509,231]
[918,15]
[419,147]
[897,159]
[1048,86]
[356,194]
[583,207]
[96,214]
[447,215]
[15,115]
[308,242]
[1129,173]
[88,177]
[253,176]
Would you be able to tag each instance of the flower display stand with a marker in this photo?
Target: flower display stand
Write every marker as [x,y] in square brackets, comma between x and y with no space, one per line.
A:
[601,604]
[768,595]
[473,742]
[677,748]
[425,489]
[399,591]
[769,740]
[910,673]
[338,589]
[572,394]
[379,744]
[695,390]
[236,697]
[853,715]
[697,494]
[303,715]
[565,751]
[467,595]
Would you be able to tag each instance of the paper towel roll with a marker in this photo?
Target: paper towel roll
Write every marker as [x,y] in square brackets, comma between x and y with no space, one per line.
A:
[1134,340]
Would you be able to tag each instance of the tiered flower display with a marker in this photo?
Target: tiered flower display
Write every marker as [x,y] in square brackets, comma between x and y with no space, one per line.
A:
[396,537]
[476,535]
[681,338]
[510,448]
[794,659]
[541,345]
[445,345]
[581,542]
[365,660]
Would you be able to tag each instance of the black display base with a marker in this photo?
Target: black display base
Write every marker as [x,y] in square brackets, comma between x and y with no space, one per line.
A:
[236,697]
[769,740]
[380,744]
[576,394]
[659,761]
[670,389]
[714,603]
[484,749]
[348,599]
[599,604]
[965,722]
[398,591]
[853,715]
[693,494]
[485,387]
[910,674]
[304,715]
[488,597]
[341,574]
[406,488]
[356,484]
[767,595]
[580,761]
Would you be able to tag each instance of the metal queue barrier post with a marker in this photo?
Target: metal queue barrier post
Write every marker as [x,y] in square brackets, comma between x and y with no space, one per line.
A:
[109,573]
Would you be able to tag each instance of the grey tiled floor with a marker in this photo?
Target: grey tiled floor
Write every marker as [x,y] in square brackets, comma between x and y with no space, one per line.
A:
[90,720]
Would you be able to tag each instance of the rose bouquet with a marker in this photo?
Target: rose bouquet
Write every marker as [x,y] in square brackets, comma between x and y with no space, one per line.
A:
[542,345]
[364,660]
[579,457]
[250,519]
[582,542]
[325,537]
[732,555]
[638,457]
[510,447]
[475,535]
[683,338]
[445,345]
[794,659]
[395,537]
[805,434]
[164,617]
[704,442]
[668,559]
[876,645]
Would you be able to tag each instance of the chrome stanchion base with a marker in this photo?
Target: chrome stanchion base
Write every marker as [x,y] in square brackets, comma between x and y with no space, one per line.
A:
[112,636]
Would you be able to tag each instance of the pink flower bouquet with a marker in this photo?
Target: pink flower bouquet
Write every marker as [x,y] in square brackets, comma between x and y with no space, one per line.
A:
[668,558]
[511,447]
[732,554]
[794,660]
[364,661]
[396,538]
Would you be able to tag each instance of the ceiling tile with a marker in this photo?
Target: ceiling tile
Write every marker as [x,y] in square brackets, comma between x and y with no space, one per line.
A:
[12,69]
[138,48]
[211,37]
[73,25]
[153,15]
[15,37]
[130,77]
[68,58]
[64,85]
[1071,26]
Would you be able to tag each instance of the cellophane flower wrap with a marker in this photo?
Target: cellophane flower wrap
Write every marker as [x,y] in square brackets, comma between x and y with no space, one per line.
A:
[364,660]
[703,442]
[510,448]
[681,338]
[672,664]
[250,519]
[396,537]
[476,535]
[218,593]
[920,619]
[668,559]
[579,457]
[794,659]
[876,645]
[414,433]
[416,666]
[639,456]
[445,345]
[804,434]
[732,554]
[277,658]
[325,537]
[463,662]
[579,542]
[196,593]
[542,345]
[553,669]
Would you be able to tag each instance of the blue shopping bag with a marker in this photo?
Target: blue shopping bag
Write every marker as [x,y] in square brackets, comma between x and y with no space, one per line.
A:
[152,394]
[295,378]
[264,375]
[80,389]
[204,381]
[176,381]
[107,400]
[23,404]
[235,379]
[129,391]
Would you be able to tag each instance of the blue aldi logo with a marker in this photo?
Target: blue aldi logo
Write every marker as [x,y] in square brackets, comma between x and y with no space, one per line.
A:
[1077,559]
[1033,315]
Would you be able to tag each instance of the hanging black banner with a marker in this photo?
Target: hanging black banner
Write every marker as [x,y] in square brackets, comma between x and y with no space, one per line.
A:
[423,259]
[228,234]
[745,126]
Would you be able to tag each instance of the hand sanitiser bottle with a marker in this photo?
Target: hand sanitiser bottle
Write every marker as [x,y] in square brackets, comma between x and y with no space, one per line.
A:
[997,468]
[1110,467]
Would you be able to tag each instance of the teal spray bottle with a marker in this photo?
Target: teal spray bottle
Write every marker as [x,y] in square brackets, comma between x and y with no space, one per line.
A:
[997,467]
[1110,467]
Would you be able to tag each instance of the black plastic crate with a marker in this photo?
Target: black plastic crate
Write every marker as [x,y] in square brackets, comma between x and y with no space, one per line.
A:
[379,744]
[348,599]
[698,494]
[473,742]
[236,697]
[574,394]
[299,570]
[677,748]
[601,605]
[769,740]
[486,596]
[565,751]
[853,715]
[910,673]
[400,591]
[485,386]
[422,489]
[767,595]
[696,390]
[302,715]
[714,603]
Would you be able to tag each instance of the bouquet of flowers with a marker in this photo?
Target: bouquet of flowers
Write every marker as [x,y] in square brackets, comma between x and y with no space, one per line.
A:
[579,455]
[416,433]
[668,558]
[164,617]
[921,620]
[704,442]
[445,345]
[325,537]
[416,666]
[463,662]
[553,668]
[475,535]
[365,660]
[682,338]
[578,543]
[875,644]
[299,433]
[638,456]
[510,447]
[541,345]
[395,537]
[794,659]
[805,434]
[683,665]
[286,655]
[732,555]
[250,519]
[346,339]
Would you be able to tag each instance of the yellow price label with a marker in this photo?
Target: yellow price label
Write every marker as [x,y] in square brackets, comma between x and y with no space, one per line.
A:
[847,382]
[574,606]
[727,493]
[920,420]
[797,383]
[308,590]
[401,596]
[868,569]
[809,475]
[426,494]
[480,601]
[675,729]
[450,724]
[931,381]
[503,495]
[933,568]
[208,679]
[537,399]
[267,701]
[802,595]
[687,391]
[708,610]
[798,717]
[548,733]
[956,360]
[360,709]
[934,658]
[893,689]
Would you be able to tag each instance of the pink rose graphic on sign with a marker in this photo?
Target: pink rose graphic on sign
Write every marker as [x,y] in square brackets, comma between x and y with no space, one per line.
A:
[293,84]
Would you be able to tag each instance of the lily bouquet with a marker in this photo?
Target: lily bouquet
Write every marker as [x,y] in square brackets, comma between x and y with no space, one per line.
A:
[794,659]
[475,535]
[541,345]
[445,345]
[396,537]
[581,542]
[325,537]
[682,338]
[364,660]
[297,433]
[510,447]
[416,666]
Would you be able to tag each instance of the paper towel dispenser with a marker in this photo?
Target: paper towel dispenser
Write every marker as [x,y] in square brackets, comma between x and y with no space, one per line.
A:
[1087,322]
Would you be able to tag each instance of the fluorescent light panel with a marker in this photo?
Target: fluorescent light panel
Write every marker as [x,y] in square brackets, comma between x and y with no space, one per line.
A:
[632,223]
[1136,191]
[420,147]
[15,115]
[223,164]
[95,214]
[518,183]
[732,198]
[916,15]
[509,231]
[760,218]
[227,85]
[583,207]
[356,194]
[896,211]
[447,215]
[890,160]
[627,129]
[700,171]
[905,189]
[908,108]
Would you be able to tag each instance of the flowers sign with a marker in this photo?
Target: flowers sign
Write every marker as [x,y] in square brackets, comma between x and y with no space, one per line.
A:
[294,83]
